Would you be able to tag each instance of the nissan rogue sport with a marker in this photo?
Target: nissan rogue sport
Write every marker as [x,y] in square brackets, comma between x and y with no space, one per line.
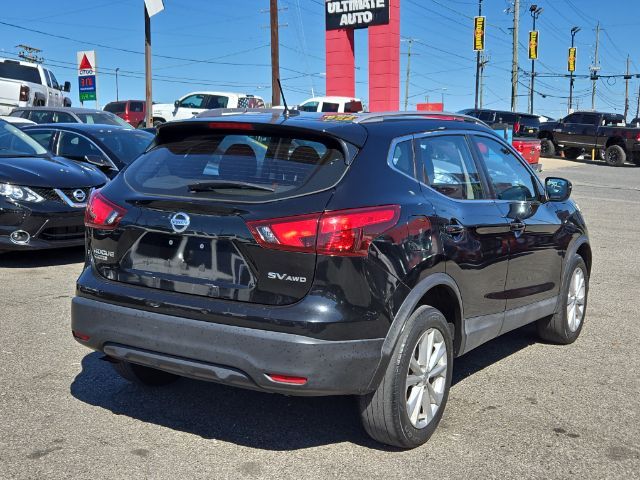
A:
[311,254]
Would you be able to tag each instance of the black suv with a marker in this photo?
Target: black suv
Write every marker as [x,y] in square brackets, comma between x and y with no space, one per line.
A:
[523,124]
[328,254]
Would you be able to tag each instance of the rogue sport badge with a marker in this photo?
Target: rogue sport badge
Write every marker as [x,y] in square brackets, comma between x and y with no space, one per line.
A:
[79,195]
[180,222]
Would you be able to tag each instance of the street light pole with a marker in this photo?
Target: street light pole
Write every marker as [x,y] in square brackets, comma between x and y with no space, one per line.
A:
[478,61]
[574,30]
[535,13]
[117,96]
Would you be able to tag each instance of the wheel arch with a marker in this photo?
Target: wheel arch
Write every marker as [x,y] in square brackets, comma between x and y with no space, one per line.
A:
[159,119]
[439,291]
[545,135]
[616,141]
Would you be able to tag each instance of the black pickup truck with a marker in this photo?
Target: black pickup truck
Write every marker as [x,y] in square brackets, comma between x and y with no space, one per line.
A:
[606,133]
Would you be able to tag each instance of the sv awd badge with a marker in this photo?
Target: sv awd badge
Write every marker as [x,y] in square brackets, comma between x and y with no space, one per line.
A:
[286,277]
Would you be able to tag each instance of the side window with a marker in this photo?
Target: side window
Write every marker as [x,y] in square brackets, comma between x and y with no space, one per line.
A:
[136,107]
[510,179]
[42,137]
[574,118]
[449,167]
[402,158]
[193,101]
[506,117]
[353,107]
[47,77]
[309,107]
[63,117]
[76,146]
[41,116]
[330,107]
[485,116]
[54,81]
[589,119]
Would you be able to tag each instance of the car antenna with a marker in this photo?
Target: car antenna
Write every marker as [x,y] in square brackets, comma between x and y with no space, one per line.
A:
[287,112]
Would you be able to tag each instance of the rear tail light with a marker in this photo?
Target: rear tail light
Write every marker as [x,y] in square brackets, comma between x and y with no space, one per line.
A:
[638,137]
[24,93]
[83,337]
[102,213]
[516,127]
[341,232]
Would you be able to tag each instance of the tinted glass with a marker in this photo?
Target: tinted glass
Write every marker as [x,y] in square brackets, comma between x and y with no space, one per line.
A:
[250,102]
[105,118]
[127,145]
[449,167]
[47,77]
[15,71]
[402,158]
[510,179]
[485,116]
[63,117]
[115,107]
[309,107]
[288,165]
[353,107]
[136,107]
[54,81]
[615,120]
[14,142]
[194,101]
[41,116]
[527,121]
[589,119]
[42,137]
[573,118]
[76,146]
[330,107]
[505,117]
[215,101]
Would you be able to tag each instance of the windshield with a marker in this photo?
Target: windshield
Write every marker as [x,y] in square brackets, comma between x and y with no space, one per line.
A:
[237,166]
[103,118]
[127,145]
[14,142]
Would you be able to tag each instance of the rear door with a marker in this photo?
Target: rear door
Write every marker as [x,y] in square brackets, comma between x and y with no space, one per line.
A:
[535,259]
[474,232]
[201,205]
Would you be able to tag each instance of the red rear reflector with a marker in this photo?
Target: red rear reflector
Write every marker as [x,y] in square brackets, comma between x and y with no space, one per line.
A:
[341,232]
[102,213]
[231,125]
[286,379]
[83,337]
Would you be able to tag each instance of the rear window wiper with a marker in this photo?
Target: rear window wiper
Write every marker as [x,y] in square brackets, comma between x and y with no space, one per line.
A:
[218,184]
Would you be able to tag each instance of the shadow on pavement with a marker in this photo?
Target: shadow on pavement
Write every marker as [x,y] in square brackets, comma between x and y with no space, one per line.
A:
[41,258]
[249,418]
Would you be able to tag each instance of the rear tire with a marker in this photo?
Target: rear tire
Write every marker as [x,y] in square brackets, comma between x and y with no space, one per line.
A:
[417,380]
[615,156]
[565,326]
[572,153]
[143,375]
[547,148]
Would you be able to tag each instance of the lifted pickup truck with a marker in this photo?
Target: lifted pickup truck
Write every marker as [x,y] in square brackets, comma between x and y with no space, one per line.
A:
[25,84]
[606,133]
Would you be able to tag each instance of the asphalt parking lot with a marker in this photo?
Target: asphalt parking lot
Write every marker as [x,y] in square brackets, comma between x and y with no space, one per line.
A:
[518,407]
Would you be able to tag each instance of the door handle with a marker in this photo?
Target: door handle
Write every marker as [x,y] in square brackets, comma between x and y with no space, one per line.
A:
[517,226]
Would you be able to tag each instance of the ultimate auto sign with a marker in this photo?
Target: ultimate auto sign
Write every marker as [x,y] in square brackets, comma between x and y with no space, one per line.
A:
[356,13]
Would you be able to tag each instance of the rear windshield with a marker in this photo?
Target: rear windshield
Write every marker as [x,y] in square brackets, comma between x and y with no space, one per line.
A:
[115,107]
[102,119]
[529,121]
[15,71]
[237,166]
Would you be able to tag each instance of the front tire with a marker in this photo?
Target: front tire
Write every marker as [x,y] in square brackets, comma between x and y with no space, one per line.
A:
[408,404]
[547,148]
[615,156]
[143,375]
[565,326]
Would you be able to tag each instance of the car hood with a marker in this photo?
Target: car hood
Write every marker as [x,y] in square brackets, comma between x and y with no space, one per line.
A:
[54,172]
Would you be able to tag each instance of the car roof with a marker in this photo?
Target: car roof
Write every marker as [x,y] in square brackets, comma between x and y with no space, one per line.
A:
[80,127]
[332,99]
[61,109]
[522,114]
[351,127]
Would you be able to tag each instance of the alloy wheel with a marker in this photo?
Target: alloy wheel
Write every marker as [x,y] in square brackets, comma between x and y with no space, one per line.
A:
[426,378]
[576,299]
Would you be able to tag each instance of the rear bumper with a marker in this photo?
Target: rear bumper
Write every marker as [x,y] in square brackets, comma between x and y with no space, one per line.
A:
[227,354]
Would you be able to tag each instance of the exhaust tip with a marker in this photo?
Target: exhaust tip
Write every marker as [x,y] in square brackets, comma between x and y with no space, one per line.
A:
[20,237]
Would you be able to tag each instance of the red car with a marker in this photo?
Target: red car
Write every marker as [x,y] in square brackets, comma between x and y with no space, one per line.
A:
[131,111]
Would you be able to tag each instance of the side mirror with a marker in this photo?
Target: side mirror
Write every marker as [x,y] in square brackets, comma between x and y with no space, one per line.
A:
[176,103]
[98,161]
[558,189]
[66,87]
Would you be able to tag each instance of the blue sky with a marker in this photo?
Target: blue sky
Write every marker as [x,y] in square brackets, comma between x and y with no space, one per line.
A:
[232,39]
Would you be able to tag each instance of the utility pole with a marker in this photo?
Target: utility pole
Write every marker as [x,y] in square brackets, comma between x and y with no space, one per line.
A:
[406,86]
[117,93]
[514,60]
[574,30]
[478,60]
[535,13]
[627,77]
[147,69]
[594,69]
[638,107]
[275,53]
[484,59]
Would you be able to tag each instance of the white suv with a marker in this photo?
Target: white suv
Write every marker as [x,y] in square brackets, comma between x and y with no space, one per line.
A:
[332,104]
[197,102]
[25,84]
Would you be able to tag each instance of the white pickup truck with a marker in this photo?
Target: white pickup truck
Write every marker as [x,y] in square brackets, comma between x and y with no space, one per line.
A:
[25,84]
[197,102]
